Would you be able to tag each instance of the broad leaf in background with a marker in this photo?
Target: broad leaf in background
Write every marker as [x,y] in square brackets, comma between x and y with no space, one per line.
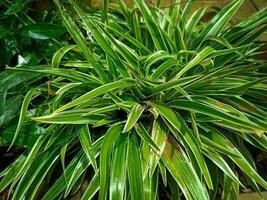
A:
[43,31]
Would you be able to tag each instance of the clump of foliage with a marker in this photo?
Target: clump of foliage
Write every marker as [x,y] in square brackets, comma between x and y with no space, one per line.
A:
[152,100]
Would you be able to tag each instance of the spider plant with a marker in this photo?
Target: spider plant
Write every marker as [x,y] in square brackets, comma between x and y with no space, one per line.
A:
[156,104]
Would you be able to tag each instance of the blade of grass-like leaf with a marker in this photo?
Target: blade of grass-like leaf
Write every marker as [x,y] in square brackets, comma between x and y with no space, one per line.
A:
[105,155]
[159,136]
[104,12]
[179,39]
[196,60]
[170,43]
[194,126]
[32,180]
[174,11]
[59,55]
[102,110]
[23,113]
[151,187]
[179,124]
[134,168]
[119,47]
[69,74]
[182,171]
[236,127]
[78,171]
[255,187]
[172,84]
[249,38]
[118,169]
[240,160]
[142,132]
[62,157]
[163,68]
[28,177]
[247,25]
[155,57]
[144,156]
[96,102]
[236,191]
[99,37]
[174,187]
[70,117]
[163,172]
[133,117]
[230,189]
[254,20]
[215,179]
[61,137]
[187,9]
[259,142]
[10,174]
[242,88]
[210,111]
[153,27]
[3,92]
[224,17]
[113,73]
[222,164]
[130,39]
[90,24]
[213,75]
[220,105]
[126,105]
[80,40]
[227,187]
[222,41]
[77,64]
[124,9]
[129,54]
[85,140]
[105,122]
[136,26]
[218,22]
[92,188]
[215,146]
[61,91]
[194,20]
[97,92]
[6,170]
[56,189]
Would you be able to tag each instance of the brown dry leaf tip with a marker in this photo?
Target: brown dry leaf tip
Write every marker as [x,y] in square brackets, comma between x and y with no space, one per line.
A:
[220,104]
[170,150]
[49,90]
[249,108]
[209,81]
[258,132]
[138,12]
[230,144]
